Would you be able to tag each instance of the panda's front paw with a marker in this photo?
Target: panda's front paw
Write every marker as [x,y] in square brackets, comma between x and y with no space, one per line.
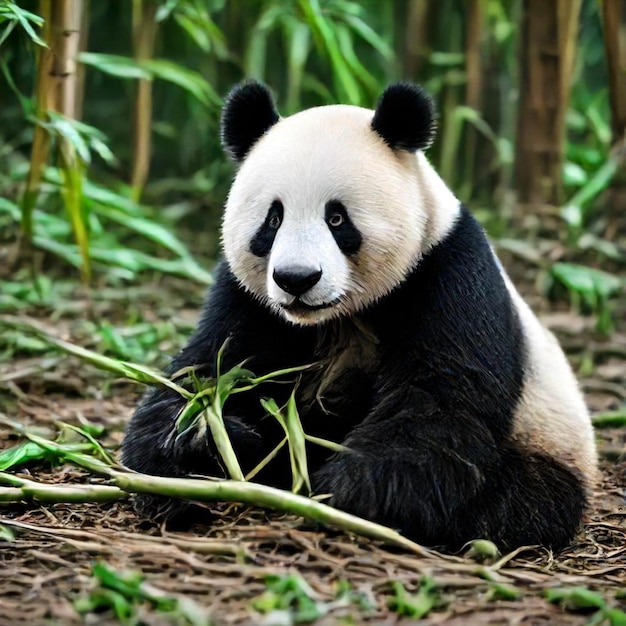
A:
[364,485]
[419,494]
[194,449]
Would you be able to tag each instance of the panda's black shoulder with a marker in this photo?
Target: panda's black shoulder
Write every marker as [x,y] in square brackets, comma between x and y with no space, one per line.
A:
[463,268]
[455,321]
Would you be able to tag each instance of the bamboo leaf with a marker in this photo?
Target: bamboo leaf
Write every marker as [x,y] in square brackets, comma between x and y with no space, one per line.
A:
[289,420]
[299,37]
[368,34]
[6,534]
[344,82]
[21,453]
[148,69]
[24,18]
[115,65]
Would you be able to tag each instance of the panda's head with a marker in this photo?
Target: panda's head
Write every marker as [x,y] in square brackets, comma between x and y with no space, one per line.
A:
[333,206]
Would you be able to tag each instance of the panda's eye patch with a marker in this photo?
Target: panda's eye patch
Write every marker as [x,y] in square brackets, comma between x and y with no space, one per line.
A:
[346,234]
[263,239]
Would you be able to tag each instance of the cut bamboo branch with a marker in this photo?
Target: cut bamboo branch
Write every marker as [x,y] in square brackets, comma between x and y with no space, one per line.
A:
[139,373]
[208,490]
[31,491]
[255,494]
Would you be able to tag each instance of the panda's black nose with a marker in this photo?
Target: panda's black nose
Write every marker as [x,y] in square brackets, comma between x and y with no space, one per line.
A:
[296,280]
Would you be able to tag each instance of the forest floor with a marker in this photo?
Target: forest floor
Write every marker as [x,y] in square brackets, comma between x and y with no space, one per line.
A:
[258,567]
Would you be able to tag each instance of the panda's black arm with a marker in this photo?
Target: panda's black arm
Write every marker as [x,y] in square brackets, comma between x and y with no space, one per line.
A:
[255,336]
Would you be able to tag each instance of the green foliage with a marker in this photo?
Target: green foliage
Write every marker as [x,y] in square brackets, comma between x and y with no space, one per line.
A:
[124,592]
[289,594]
[592,288]
[123,67]
[205,409]
[110,219]
[310,52]
[71,440]
[610,419]
[576,599]
[194,17]
[500,591]
[23,452]
[12,15]
[589,165]
[415,605]
[6,534]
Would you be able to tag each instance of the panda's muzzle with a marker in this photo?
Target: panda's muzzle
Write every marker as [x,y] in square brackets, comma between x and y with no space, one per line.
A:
[296,280]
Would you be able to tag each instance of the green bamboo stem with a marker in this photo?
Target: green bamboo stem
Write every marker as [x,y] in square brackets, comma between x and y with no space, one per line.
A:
[252,494]
[255,494]
[24,490]
[38,492]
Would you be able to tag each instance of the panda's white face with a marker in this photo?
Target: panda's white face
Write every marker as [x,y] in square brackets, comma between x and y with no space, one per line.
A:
[324,218]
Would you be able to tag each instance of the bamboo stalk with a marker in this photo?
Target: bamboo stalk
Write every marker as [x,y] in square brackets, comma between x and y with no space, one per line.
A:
[65,32]
[66,22]
[615,47]
[416,35]
[475,84]
[548,48]
[41,139]
[473,56]
[144,36]
[83,37]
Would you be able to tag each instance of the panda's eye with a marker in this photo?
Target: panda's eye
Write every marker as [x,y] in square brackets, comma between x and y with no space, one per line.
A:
[274,222]
[274,216]
[335,220]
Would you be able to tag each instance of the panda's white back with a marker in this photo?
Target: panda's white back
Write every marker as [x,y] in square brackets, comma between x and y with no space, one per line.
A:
[552,415]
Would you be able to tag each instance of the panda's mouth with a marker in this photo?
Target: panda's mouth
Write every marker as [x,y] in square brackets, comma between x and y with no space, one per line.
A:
[298,306]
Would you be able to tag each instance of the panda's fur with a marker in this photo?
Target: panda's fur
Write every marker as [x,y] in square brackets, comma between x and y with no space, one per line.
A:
[344,248]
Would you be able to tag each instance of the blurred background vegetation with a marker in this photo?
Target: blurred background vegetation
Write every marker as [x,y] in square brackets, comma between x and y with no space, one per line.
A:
[109,140]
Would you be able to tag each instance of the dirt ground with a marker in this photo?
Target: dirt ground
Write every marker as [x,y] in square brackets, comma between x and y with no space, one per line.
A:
[227,569]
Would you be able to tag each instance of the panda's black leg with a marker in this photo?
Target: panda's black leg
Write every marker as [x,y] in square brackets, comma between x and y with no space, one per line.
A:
[443,480]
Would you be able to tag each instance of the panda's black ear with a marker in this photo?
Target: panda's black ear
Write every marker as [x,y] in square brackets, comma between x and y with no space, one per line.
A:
[249,111]
[405,117]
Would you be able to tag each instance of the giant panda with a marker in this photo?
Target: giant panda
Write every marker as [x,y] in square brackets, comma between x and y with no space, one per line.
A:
[343,247]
